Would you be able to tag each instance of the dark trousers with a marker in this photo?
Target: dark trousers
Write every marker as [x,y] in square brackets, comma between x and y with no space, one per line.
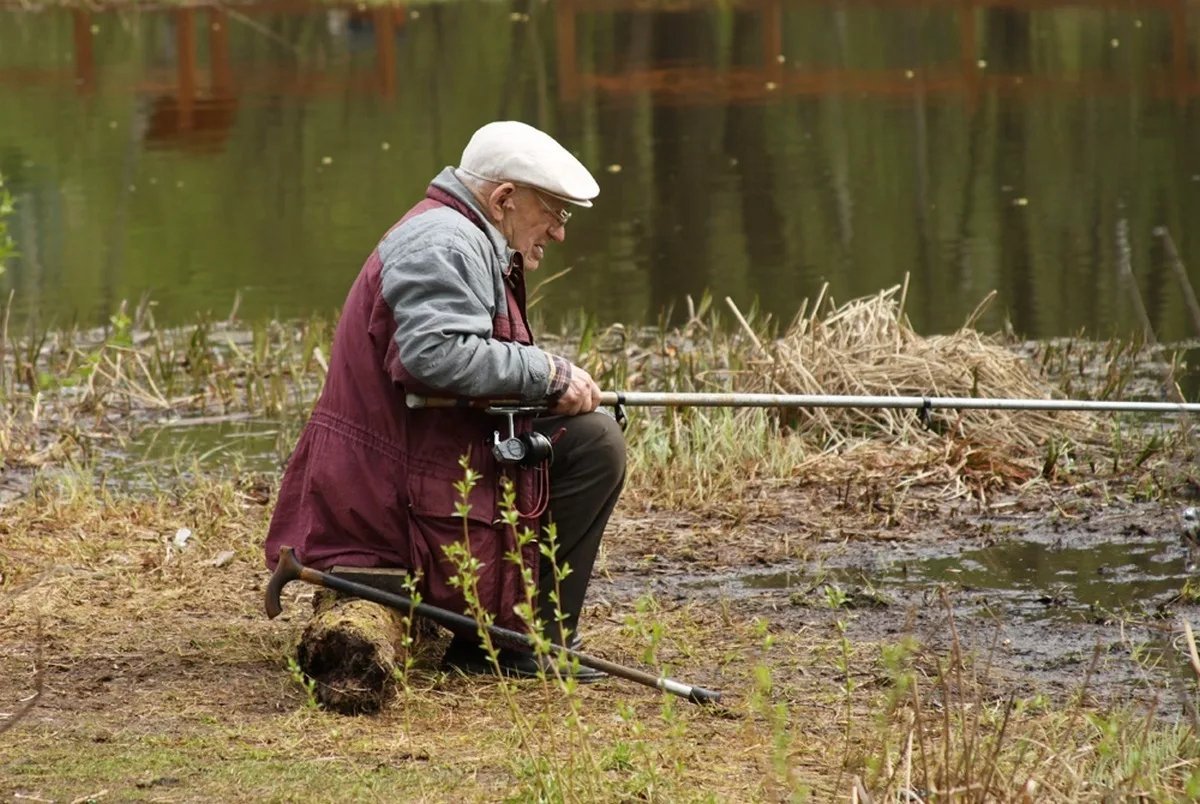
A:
[586,478]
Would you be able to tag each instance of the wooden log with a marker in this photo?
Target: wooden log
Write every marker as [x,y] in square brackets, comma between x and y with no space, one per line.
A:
[354,649]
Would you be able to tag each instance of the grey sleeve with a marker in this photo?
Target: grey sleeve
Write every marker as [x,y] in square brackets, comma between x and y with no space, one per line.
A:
[443,300]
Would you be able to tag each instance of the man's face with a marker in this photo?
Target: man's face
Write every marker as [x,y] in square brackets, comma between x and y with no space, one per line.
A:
[531,221]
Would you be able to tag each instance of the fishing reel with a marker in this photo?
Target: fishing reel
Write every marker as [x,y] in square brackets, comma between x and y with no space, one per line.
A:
[524,449]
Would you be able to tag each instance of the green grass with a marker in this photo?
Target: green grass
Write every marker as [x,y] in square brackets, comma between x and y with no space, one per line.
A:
[71,396]
[135,767]
[162,679]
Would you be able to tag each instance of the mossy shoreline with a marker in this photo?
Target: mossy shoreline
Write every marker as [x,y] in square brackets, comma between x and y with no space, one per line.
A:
[143,668]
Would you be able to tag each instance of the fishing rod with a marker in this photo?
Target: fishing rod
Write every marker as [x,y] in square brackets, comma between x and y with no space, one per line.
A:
[533,448]
[738,400]
[290,569]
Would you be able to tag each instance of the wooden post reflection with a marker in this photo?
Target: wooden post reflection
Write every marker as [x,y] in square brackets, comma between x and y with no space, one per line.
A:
[218,53]
[969,52]
[385,49]
[1179,51]
[85,62]
[675,80]
[772,30]
[682,83]
[185,55]
[564,32]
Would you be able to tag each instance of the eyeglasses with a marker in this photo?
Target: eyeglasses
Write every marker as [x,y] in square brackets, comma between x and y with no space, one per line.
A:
[561,214]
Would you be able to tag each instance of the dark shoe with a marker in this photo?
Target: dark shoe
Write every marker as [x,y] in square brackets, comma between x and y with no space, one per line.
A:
[463,653]
[469,658]
[467,649]
[527,665]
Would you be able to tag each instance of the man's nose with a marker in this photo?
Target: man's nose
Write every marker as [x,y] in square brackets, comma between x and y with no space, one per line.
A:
[558,233]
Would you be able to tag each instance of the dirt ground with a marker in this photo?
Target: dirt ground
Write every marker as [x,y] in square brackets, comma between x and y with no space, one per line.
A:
[135,662]
[1032,641]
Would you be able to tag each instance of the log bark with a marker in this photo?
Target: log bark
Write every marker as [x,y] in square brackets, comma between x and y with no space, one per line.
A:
[354,650]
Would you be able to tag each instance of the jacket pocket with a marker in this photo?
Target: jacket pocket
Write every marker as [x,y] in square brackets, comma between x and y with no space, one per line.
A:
[438,498]
[434,527]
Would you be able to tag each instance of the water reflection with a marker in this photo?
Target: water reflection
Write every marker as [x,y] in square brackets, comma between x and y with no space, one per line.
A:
[757,148]
[1027,579]
[163,453]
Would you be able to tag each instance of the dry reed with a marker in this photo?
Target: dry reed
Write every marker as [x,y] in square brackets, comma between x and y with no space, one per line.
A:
[868,347]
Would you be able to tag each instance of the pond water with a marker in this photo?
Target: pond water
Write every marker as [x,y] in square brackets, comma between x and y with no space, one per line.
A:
[1032,578]
[757,148]
[210,446]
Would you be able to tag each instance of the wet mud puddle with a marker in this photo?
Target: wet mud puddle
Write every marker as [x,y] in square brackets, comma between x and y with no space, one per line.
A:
[1027,578]
[1048,607]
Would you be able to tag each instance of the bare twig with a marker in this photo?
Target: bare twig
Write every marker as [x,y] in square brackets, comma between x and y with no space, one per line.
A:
[1125,271]
[859,793]
[1180,271]
[39,673]
[4,340]
[994,759]
[1193,656]
[746,327]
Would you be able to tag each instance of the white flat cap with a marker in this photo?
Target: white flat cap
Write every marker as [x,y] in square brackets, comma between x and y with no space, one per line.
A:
[512,151]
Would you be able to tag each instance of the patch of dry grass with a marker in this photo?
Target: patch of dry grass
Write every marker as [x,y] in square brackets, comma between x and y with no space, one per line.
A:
[682,458]
[74,396]
[868,347]
[160,677]
[155,661]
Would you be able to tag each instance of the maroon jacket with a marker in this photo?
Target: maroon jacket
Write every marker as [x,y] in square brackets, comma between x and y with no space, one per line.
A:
[371,482]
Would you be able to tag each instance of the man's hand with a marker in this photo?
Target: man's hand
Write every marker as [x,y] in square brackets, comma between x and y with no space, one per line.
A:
[582,394]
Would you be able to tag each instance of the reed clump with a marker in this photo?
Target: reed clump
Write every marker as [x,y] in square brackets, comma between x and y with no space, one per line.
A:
[79,396]
[868,347]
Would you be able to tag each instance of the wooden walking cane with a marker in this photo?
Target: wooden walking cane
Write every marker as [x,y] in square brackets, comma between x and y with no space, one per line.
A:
[290,569]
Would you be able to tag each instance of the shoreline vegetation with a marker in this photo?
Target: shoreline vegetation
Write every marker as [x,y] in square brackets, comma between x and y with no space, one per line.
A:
[141,665]
[70,395]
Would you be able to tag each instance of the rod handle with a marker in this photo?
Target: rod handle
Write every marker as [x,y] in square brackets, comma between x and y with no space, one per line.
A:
[420,402]
[497,407]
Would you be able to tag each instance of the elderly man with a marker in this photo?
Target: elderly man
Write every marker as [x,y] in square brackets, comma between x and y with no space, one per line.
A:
[439,309]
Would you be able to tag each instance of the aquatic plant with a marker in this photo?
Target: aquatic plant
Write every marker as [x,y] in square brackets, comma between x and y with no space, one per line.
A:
[7,247]
[76,395]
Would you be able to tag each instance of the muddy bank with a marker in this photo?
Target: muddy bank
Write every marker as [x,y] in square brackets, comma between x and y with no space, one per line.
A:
[1049,598]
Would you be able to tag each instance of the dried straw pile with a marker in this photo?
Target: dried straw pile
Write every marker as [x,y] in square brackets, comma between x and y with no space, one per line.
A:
[868,347]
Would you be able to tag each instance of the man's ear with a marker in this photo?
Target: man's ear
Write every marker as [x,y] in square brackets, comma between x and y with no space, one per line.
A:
[500,199]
